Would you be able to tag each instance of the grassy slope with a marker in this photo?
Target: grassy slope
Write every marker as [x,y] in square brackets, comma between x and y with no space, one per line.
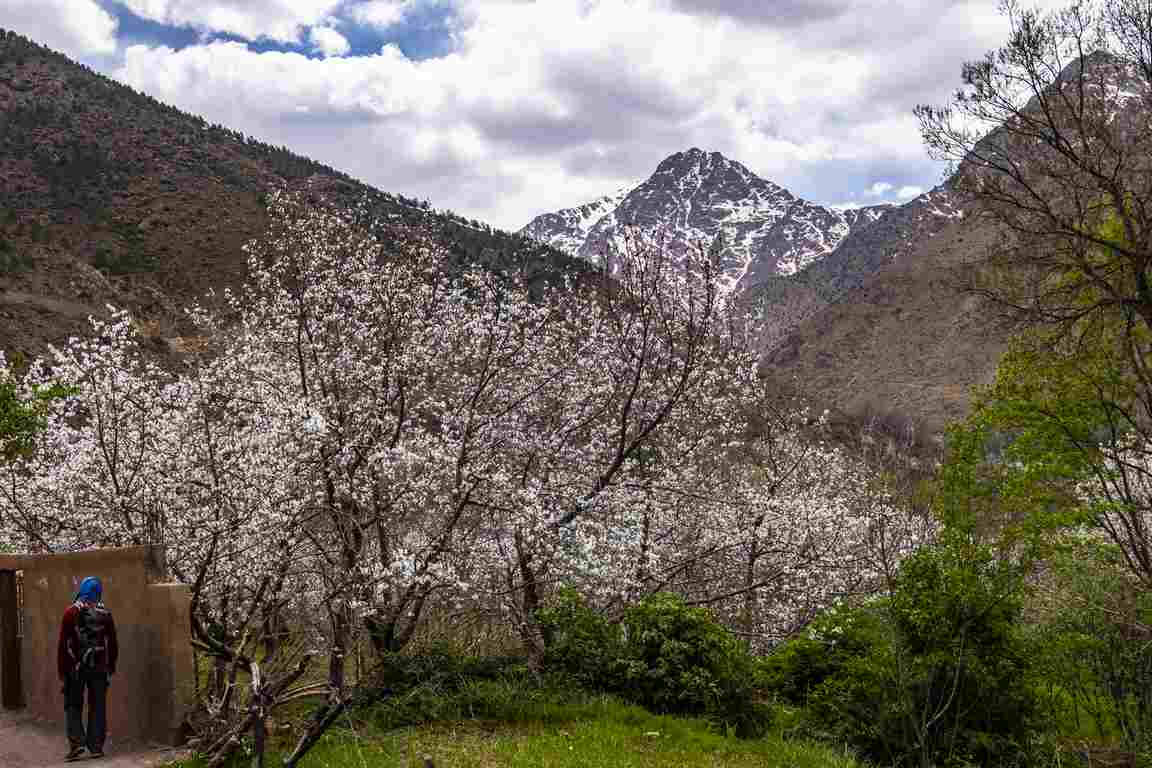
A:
[597,733]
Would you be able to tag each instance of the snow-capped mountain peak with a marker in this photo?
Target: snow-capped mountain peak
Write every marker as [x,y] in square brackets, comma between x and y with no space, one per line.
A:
[692,198]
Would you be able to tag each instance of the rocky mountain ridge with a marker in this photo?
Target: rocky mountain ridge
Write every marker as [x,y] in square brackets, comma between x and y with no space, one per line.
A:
[695,197]
[857,307]
[791,256]
[872,243]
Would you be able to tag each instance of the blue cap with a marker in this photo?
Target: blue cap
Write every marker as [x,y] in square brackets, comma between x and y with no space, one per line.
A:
[90,590]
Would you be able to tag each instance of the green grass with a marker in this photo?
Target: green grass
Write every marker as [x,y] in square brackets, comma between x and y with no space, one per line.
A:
[1072,720]
[593,732]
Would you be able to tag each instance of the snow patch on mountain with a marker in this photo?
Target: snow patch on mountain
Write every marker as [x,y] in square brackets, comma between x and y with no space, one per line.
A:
[698,199]
[568,228]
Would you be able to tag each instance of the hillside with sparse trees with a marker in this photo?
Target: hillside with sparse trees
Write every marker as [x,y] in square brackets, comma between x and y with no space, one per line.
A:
[108,196]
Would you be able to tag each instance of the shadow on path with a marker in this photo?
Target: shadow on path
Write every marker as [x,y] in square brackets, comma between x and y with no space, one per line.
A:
[29,743]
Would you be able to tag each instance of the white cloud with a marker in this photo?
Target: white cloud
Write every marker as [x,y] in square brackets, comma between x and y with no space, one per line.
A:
[280,20]
[541,105]
[328,41]
[882,189]
[79,28]
[379,13]
[908,192]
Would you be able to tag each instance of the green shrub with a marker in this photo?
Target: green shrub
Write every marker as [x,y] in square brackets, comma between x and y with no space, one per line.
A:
[443,665]
[799,666]
[438,684]
[580,643]
[1092,649]
[679,659]
[945,681]
[13,260]
[127,260]
[663,655]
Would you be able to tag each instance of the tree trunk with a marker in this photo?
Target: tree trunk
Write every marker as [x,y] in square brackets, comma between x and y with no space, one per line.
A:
[530,633]
[341,628]
[259,724]
[748,619]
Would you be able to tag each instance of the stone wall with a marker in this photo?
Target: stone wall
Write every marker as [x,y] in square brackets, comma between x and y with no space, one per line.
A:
[152,688]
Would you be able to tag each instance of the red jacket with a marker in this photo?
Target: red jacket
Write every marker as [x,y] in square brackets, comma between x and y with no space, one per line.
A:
[66,653]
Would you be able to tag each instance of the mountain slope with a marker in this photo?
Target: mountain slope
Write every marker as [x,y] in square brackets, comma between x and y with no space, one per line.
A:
[874,241]
[568,228]
[692,198]
[108,196]
[901,338]
[882,323]
[860,311]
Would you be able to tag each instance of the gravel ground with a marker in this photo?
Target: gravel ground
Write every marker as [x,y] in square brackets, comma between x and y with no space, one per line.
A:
[27,743]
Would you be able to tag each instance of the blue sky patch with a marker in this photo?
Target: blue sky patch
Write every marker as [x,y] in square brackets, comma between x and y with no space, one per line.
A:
[424,32]
[135,30]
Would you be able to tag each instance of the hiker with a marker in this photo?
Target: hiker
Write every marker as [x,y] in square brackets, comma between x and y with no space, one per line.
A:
[86,660]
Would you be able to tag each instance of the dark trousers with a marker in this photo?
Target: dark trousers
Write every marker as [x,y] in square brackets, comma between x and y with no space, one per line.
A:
[95,681]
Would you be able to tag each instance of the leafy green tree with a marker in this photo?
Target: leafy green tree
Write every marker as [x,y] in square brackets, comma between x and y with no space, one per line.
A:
[1091,639]
[1053,469]
[1061,439]
[22,414]
[941,679]
[1060,442]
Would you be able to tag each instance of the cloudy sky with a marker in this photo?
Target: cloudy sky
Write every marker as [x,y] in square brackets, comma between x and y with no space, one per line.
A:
[503,109]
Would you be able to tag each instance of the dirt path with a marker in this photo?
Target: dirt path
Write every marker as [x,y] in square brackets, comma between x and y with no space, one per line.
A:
[27,743]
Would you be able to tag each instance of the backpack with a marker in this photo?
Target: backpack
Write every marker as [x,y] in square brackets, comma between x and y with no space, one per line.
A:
[92,624]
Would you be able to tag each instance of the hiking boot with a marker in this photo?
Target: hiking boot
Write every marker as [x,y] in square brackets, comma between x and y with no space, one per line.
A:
[94,753]
[74,754]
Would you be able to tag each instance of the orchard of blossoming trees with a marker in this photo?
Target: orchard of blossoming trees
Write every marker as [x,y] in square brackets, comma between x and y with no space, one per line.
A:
[362,443]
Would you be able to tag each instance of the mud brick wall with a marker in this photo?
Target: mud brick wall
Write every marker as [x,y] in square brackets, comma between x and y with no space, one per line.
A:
[152,688]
